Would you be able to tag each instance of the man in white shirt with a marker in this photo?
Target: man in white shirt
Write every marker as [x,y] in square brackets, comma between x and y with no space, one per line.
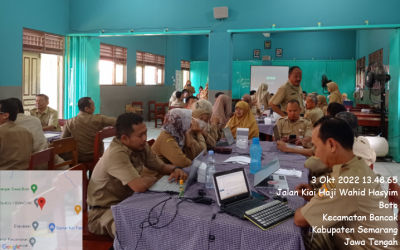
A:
[34,125]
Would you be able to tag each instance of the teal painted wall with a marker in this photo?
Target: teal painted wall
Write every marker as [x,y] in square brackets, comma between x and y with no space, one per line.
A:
[93,72]
[322,45]
[369,41]
[45,15]
[340,71]
[174,48]
[394,93]
[198,73]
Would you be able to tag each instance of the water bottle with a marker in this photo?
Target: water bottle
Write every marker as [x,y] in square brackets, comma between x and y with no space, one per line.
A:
[262,108]
[255,154]
[210,170]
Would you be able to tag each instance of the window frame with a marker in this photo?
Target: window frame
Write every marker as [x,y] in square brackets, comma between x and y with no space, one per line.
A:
[117,60]
[159,64]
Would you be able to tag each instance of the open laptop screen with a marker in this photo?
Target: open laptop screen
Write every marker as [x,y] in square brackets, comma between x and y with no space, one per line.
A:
[231,186]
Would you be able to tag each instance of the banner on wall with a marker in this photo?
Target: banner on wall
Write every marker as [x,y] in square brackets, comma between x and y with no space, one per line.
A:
[178,81]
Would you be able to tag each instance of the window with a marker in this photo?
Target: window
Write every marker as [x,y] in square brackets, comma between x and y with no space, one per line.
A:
[360,76]
[149,69]
[112,64]
[39,41]
[185,67]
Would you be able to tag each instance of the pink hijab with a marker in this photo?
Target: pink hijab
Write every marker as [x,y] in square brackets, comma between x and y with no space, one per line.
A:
[222,109]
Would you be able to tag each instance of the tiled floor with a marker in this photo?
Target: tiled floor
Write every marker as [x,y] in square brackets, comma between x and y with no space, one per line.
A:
[152,133]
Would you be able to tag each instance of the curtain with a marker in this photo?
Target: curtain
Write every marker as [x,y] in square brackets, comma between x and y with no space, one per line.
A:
[82,55]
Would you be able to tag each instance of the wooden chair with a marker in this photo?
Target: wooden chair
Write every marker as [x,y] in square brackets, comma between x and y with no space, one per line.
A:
[62,122]
[100,136]
[159,109]
[41,157]
[364,106]
[140,104]
[151,111]
[66,145]
[151,142]
[92,240]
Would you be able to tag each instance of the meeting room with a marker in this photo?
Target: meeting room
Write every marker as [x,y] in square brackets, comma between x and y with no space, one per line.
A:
[199,124]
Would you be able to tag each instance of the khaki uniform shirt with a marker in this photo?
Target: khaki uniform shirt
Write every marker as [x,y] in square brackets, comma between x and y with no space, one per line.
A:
[118,166]
[83,128]
[168,150]
[35,127]
[288,92]
[301,127]
[198,144]
[212,136]
[314,114]
[346,205]
[16,146]
[47,118]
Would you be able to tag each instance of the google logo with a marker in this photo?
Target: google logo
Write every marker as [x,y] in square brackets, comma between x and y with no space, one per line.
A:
[4,246]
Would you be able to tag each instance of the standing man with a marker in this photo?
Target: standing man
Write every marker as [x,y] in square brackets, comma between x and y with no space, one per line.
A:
[84,127]
[16,142]
[291,90]
[332,206]
[117,174]
[48,116]
[313,113]
[190,88]
[293,124]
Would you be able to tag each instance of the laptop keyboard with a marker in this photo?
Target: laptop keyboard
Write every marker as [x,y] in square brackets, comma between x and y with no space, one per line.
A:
[173,186]
[269,214]
[240,208]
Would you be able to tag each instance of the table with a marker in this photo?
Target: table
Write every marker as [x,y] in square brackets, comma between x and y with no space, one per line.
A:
[371,122]
[192,225]
[361,114]
[51,139]
[266,129]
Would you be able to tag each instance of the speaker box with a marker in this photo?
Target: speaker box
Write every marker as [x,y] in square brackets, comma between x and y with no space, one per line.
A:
[220,12]
[266,58]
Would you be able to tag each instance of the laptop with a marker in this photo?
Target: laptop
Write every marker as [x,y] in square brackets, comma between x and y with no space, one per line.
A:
[163,185]
[229,138]
[266,179]
[233,192]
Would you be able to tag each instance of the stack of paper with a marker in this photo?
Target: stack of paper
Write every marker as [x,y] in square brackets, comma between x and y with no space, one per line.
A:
[239,159]
[289,172]
[49,135]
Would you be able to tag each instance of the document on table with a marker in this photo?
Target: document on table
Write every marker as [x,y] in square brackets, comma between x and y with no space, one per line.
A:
[49,135]
[239,159]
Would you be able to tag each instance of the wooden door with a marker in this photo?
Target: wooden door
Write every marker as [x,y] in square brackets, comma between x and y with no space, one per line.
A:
[30,79]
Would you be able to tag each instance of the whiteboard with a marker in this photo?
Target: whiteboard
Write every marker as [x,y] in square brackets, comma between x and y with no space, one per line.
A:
[274,76]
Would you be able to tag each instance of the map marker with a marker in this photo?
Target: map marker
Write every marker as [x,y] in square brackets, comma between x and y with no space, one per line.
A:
[32,241]
[35,225]
[52,226]
[33,188]
[78,209]
[35,201]
[41,202]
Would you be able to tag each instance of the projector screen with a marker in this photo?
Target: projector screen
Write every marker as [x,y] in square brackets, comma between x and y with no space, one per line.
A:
[274,76]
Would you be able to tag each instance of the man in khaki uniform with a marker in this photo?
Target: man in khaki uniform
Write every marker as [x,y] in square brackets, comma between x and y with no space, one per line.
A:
[334,140]
[48,116]
[293,124]
[291,90]
[313,113]
[117,174]
[84,127]
[16,142]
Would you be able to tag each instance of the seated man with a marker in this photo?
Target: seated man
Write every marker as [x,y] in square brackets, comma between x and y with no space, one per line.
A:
[361,148]
[189,101]
[16,142]
[84,127]
[293,124]
[117,174]
[35,127]
[48,116]
[333,140]
[334,108]
[313,113]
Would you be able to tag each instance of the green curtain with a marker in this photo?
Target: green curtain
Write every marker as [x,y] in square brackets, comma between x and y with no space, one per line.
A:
[81,73]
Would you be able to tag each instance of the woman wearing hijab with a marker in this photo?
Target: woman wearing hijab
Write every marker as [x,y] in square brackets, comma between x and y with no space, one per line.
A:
[203,104]
[222,110]
[204,93]
[262,96]
[175,144]
[190,88]
[176,100]
[251,101]
[335,96]
[243,119]
[210,132]
[322,103]
[344,97]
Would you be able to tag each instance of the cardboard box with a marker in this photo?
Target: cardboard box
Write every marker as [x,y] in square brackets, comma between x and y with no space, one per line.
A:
[130,109]
[202,169]
[201,178]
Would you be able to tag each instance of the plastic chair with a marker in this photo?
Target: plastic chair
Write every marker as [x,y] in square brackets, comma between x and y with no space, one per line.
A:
[66,145]
[41,157]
